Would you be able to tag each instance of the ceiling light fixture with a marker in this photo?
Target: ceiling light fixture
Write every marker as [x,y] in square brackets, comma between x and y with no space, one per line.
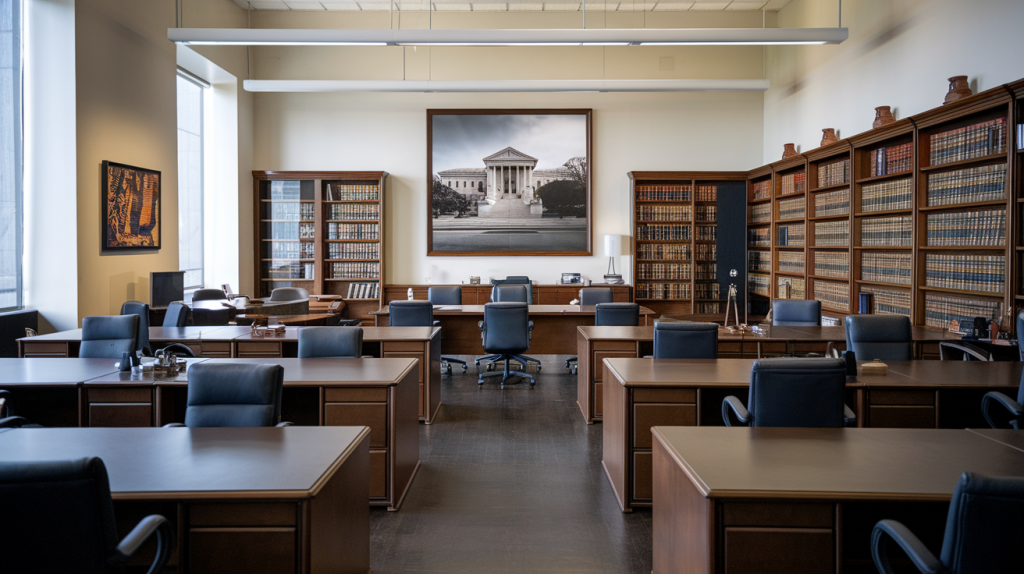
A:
[512,86]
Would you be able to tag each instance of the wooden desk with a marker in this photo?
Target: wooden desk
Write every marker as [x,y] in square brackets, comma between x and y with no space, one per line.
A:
[241,499]
[642,393]
[376,393]
[804,500]
[48,391]
[305,320]
[1009,437]
[209,342]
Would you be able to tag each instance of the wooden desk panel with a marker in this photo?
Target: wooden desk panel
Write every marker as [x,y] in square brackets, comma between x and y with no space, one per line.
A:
[241,499]
[47,391]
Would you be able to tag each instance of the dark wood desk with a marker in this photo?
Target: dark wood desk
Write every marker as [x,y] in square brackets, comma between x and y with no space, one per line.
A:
[554,327]
[47,391]
[804,500]
[209,342]
[241,499]
[642,393]
[377,393]
[1009,437]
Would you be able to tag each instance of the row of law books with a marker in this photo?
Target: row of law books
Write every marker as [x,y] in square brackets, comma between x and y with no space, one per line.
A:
[896,231]
[792,208]
[941,309]
[832,203]
[883,267]
[363,290]
[707,232]
[835,173]
[833,295]
[663,192]
[791,235]
[709,307]
[353,211]
[292,230]
[664,212]
[706,272]
[761,213]
[291,270]
[892,159]
[759,284]
[984,183]
[353,231]
[707,192]
[792,183]
[966,228]
[663,232]
[353,250]
[351,192]
[966,272]
[887,195]
[832,233]
[664,252]
[791,261]
[707,251]
[707,291]
[759,237]
[759,261]
[888,301]
[789,288]
[762,190]
[676,271]
[969,142]
[363,270]
[707,213]
[663,291]
[832,264]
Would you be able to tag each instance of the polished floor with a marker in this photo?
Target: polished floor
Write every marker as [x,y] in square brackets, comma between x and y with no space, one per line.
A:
[510,482]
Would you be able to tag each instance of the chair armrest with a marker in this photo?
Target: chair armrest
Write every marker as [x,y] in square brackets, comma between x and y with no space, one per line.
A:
[849,417]
[152,524]
[733,404]
[831,351]
[283,424]
[483,330]
[987,402]
[13,422]
[173,425]
[923,559]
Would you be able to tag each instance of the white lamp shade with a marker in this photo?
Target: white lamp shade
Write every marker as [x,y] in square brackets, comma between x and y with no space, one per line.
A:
[612,245]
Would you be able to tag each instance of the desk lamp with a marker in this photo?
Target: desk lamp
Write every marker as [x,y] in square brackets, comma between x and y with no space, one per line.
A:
[612,248]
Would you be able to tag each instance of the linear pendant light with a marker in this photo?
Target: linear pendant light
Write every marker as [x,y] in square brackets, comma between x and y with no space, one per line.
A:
[512,86]
[531,37]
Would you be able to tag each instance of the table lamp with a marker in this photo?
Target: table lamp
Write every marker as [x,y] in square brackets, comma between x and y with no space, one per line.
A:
[612,248]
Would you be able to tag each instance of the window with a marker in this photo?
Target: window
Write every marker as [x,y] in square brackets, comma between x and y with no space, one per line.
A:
[11,236]
[190,178]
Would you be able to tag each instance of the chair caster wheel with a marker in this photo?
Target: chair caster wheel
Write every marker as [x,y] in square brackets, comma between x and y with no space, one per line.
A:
[573,371]
[538,368]
[490,366]
[464,368]
[480,382]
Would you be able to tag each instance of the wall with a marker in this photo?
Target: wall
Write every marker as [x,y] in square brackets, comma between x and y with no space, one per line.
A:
[900,53]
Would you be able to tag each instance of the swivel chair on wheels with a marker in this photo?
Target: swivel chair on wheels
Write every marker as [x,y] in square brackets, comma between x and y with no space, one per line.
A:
[506,331]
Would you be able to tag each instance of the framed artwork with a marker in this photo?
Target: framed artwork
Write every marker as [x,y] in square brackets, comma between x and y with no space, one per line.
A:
[508,182]
[131,207]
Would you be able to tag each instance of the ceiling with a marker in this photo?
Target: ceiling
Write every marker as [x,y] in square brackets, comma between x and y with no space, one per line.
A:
[516,5]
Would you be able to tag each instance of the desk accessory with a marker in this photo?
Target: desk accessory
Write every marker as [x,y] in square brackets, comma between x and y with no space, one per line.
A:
[572,278]
[474,280]
[851,363]
[875,367]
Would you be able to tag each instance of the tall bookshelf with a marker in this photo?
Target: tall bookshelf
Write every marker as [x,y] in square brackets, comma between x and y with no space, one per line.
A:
[759,241]
[323,232]
[1018,192]
[789,229]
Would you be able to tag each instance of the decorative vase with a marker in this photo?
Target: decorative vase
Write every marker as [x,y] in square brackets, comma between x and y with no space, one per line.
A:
[789,150]
[883,116]
[828,136]
[958,89]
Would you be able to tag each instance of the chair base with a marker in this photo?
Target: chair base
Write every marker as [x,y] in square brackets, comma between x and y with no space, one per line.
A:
[446,364]
[523,360]
[507,373]
[572,363]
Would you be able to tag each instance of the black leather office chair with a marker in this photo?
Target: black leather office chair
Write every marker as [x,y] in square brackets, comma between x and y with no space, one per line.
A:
[177,315]
[142,310]
[58,517]
[1011,414]
[209,295]
[109,337]
[610,315]
[9,417]
[595,295]
[789,392]
[331,342]
[885,337]
[983,528]
[514,280]
[288,294]
[962,351]
[410,314]
[506,332]
[205,317]
[234,395]
[447,295]
[685,340]
[508,293]
[795,313]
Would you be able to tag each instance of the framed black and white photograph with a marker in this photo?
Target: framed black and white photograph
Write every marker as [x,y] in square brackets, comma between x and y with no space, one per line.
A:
[508,182]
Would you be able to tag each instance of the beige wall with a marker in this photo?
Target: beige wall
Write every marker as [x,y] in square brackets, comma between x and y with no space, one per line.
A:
[899,54]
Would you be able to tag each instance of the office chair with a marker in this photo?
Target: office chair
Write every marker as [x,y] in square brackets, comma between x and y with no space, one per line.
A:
[514,280]
[410,314]
[233,395]
[508,293]
[209,295]
[1020,333]
[331,342]
[962,351]
[506,331]
[795,313]
[289,294]
[58,517]
[109,337]
[447,295]
[610,315]
[1013,408]
[177,315]
[983,528]
[885,337]
[685,340]
[8,417]
[788,392]
[142,310]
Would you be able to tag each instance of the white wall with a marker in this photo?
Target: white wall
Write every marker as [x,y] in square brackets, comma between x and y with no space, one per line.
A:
[900,53]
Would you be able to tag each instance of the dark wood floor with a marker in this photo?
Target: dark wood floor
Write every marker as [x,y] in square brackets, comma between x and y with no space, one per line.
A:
[510,482]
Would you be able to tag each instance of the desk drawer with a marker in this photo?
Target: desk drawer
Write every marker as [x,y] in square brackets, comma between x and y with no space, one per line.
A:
[356,395]
[373,415]
[643,476]
[242,549]
[764,550]
[730,349]
[919,398]
[901,417]
[801,515]
[243,514]
[665,396]
[646,416]
[212,349]
[259,349]
[120,415]
[378,474]
[115,395]
[54,349]
[600,356]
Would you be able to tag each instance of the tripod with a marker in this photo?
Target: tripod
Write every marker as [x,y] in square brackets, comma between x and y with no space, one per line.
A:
[735,307]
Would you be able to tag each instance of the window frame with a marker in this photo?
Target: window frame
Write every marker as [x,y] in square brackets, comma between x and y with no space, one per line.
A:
[183,74]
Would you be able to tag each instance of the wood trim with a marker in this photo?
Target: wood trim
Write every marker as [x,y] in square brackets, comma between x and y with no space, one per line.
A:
[830,151]
[332,175]
[329,473]
[692,175]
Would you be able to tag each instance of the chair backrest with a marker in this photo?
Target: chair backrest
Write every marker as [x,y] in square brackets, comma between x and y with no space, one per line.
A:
[445,295]
[208,294]
[506,327]
[791,392]
[796,313]
[1020,333]
[410,313]
[142,310]
[885,337]
[289,294]
[617,315]
[109,337]
[210,317]
[505,293]
[177,315]
[331,342]
[234,395]
[685,340]
[984,525]
[58,516]
[515,280]
[595,295]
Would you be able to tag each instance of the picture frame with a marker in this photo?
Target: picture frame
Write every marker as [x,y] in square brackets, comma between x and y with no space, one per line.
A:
[572,279]
[509,182]
[131,211]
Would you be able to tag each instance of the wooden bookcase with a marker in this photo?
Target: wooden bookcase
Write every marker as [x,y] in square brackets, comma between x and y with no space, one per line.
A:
[324,232]
[759,240]
[1017,139]
[829,174]
[789,229]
